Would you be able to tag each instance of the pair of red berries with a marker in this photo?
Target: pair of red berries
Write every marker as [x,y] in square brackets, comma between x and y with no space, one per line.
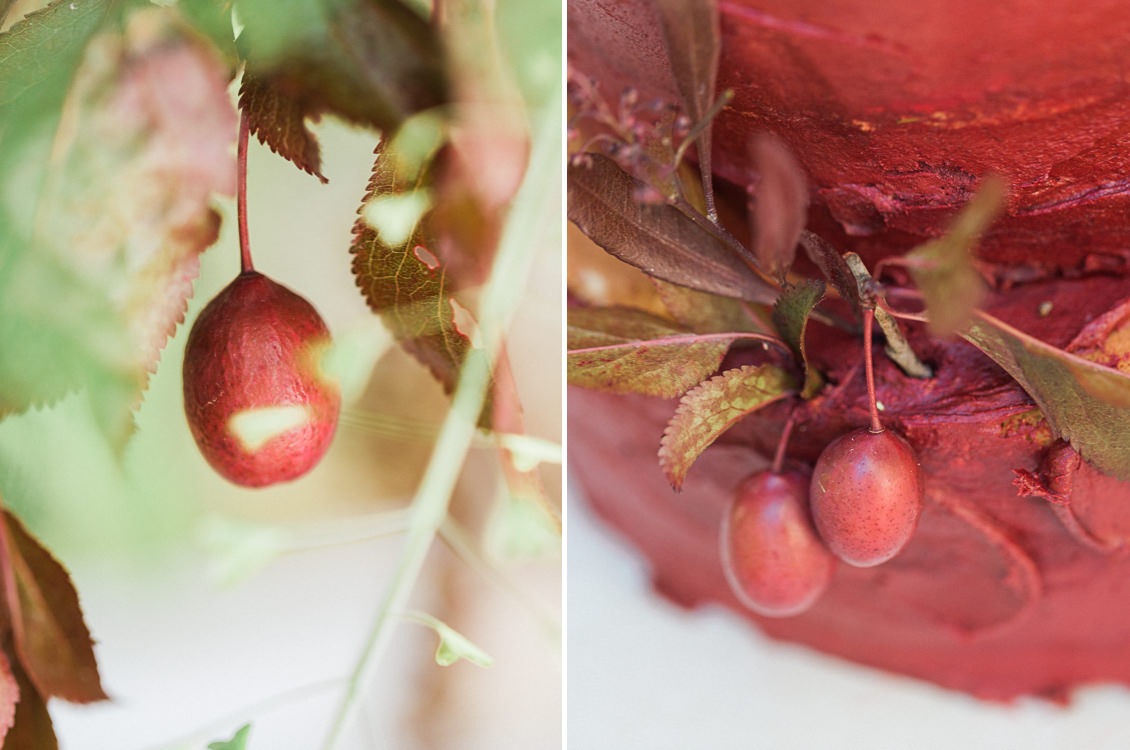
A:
[784,531]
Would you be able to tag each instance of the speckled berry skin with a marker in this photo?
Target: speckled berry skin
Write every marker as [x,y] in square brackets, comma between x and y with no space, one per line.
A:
[866,496]
[775,563]
[255,346]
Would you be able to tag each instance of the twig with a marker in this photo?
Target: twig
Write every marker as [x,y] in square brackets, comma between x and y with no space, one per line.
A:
[535,198]
[898,349]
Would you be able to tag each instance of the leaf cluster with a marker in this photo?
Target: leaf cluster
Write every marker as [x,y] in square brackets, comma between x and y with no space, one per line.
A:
[46,647]
[628,191]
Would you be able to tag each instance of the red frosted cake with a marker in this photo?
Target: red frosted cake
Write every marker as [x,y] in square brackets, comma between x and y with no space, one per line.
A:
[1017,579]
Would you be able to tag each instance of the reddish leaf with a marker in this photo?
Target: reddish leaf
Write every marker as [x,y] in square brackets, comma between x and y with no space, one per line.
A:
[943,270]
[629,351]
[9,696]
[402,282]
[781,205]
[690,30]
[32,729]
[524,485]
[835,269]
[712,408]
[1085,403]
[790,316]
[372,62]
[657,238]
[280,123]
[489,145]
[51,639]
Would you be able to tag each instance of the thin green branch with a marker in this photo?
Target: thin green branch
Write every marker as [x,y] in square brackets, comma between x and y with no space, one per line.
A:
[538,197]
[455,537]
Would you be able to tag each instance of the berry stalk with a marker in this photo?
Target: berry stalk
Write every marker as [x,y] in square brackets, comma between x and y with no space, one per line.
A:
[241,194]
[868,324]
[779,456]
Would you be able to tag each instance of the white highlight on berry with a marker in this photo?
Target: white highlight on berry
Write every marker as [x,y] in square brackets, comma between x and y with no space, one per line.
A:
[254,428]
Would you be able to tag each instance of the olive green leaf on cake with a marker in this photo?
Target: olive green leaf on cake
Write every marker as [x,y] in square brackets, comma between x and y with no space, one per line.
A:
[1085,403]
[712,408]
[621,350]
[790,315]
[943,268]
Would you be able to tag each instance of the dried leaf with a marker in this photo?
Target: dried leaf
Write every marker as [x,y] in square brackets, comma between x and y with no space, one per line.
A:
[32,729]
[691,33]
[51,639]
[658,239]
[712,408]
[1085,403]
[790,316]
[371,62]
[629,351]
[943,269]
[106,266]
[835,269]
[781,205]
[402,284]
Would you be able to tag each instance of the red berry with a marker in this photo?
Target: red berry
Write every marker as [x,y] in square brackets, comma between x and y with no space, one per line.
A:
[773,559]
[866,496]
[255,347]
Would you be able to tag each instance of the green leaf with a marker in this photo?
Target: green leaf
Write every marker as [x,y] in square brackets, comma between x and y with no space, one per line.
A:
[790,316]
[50,637]
[1085,403]
[408,287]
[237,742]
[371,62]
[43,48]
[712,408]
[781,206]
[99,263]
[622,350]
[943,269]
[658,239]
[453,646]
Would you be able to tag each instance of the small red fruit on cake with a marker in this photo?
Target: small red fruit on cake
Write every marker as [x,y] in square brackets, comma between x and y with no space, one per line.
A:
[773,559]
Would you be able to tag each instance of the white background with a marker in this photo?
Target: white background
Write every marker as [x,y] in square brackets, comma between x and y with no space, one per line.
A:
[643,673]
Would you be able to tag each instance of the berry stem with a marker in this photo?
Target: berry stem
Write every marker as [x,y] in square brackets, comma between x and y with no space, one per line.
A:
[868,324]
[779,456]
[241,194]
